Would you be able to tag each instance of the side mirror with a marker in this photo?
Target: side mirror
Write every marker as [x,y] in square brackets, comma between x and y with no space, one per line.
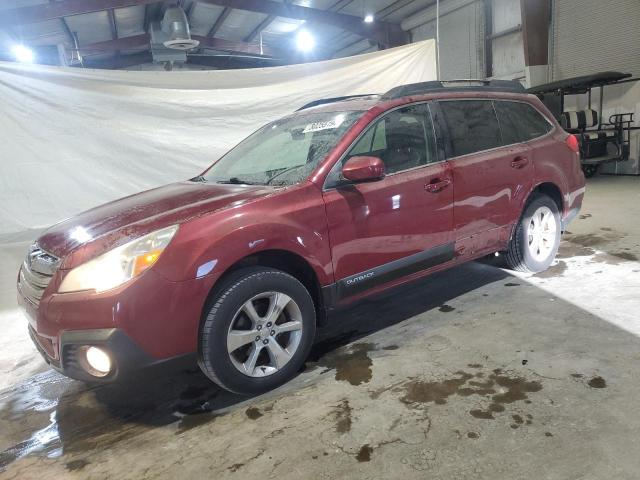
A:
[363,169]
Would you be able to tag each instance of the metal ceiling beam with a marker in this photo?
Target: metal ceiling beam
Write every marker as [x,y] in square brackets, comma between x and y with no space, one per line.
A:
[65,26]
[340,5]
[395,6]
[232,62]
[237,47]
[385,33]
[189,10]
[382,32]
[219,21]
[124,43]
[140,41]
[113,25]
[261,26]
[121,61]
[64,8]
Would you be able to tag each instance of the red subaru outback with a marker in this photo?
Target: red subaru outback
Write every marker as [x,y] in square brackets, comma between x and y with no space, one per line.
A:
[343,198]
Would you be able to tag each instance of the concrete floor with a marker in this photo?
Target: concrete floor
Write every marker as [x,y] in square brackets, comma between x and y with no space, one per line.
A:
[471,373]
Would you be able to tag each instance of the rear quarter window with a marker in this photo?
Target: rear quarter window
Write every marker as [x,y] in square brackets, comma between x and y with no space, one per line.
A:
[520,122]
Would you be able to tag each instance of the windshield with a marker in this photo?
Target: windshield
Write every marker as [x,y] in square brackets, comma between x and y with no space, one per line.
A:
[284,152]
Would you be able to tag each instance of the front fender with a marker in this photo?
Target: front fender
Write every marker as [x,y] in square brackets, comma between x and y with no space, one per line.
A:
[293,220]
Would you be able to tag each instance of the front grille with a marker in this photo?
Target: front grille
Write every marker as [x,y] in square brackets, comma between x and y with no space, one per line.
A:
[36,273]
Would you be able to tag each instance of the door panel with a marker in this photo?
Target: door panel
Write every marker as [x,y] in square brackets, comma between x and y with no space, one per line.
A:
[490,179]
[488,187]
[401,224]
[372,224]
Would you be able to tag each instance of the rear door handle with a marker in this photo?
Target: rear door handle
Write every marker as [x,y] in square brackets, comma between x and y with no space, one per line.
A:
[519,162]
[437,185]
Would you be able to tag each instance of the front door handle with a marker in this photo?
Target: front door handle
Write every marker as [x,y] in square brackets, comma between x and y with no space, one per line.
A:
[519,162]
[437,185]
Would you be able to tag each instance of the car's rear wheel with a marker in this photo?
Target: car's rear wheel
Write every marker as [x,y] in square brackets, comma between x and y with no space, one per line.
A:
[258,331]
[535,242]
[589,170]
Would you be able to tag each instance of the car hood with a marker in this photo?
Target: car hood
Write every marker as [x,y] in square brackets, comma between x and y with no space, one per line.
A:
[114,223]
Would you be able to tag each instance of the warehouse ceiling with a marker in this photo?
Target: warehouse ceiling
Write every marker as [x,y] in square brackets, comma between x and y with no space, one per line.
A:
[231,33]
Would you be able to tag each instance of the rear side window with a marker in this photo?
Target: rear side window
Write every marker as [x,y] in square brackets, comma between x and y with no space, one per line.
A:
[472,124]
[520,122]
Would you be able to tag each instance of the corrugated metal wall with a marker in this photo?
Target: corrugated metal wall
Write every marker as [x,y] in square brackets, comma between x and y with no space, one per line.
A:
[595,35]
[461,38]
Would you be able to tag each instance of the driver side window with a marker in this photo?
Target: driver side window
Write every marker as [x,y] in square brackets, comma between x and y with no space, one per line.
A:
[402,139]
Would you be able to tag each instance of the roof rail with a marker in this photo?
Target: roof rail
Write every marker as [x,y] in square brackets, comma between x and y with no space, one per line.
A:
[324,101]
[466,85]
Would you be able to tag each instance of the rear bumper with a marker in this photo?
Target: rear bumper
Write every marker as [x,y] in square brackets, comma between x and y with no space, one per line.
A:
[569,217]
[125,354]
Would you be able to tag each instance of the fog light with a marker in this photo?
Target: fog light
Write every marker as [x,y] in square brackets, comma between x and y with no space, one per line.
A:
[98,361]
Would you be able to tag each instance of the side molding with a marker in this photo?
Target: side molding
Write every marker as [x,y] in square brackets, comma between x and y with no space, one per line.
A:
[360,282]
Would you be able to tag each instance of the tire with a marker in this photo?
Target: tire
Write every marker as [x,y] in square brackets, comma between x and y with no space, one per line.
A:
[244,346]
[589,170]
[525,253]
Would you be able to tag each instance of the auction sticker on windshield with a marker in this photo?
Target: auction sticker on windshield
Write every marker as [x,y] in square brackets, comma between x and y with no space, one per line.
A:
[329,124]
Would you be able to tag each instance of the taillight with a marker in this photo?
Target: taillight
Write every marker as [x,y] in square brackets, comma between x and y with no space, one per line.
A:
[573,144]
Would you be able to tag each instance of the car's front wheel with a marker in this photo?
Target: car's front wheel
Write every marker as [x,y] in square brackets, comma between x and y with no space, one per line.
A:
[536,239]
[257,332]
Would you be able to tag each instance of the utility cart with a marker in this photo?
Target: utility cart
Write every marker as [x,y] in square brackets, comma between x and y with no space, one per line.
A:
[600,142]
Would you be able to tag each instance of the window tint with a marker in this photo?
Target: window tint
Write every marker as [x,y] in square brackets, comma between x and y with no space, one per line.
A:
[403,139]
[472,124]
[508,119]
[520,122]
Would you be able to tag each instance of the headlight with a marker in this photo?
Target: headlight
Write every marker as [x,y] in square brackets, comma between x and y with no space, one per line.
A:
[119,265]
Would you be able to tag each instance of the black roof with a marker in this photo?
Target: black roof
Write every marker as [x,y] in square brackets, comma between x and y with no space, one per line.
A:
[580,84]
[324,101]
[422,88]
[454,86]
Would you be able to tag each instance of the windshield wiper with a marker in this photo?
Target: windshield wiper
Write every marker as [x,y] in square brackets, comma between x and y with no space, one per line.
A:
[282,172]
[199,178]
[237,181]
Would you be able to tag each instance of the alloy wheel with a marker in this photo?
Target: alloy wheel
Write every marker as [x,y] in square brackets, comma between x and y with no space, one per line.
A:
[541,234]
[264,334]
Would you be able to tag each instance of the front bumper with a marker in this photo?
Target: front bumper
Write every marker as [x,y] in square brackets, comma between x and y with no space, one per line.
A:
[144,322]
[125,355]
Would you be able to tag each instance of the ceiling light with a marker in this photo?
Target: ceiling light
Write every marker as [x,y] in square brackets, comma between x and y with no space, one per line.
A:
[368,18]
[305,41]
[22,54]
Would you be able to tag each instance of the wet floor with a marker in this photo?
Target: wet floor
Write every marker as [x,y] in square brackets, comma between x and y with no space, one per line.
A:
[398,381]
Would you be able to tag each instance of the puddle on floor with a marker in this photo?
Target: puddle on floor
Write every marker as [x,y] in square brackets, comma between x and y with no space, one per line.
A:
[342,414]
[554,271]
[353,365]
[51,415]
[500,387]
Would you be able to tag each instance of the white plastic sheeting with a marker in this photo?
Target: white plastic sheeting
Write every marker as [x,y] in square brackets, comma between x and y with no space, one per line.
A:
[71,139]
